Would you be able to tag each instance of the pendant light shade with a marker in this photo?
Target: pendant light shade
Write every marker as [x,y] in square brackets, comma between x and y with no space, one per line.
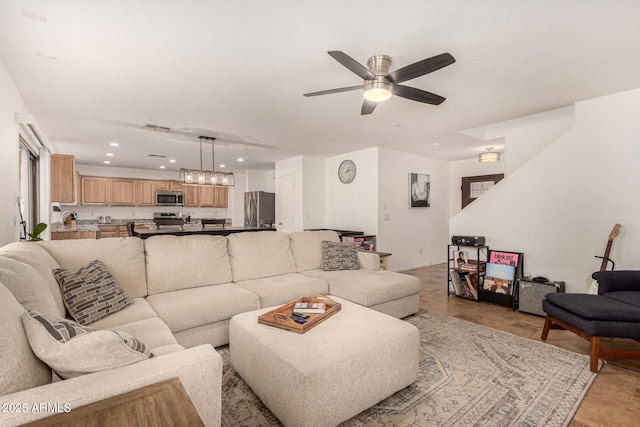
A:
[207,177]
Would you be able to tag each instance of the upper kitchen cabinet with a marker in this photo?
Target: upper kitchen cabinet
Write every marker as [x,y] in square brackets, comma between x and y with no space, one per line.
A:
[221,197]
[122,192]
[63,179]
[146,192]
[94,190]
[191,196]
[169,185]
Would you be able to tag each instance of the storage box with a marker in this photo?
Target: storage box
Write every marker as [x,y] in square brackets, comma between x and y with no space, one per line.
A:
[532,293]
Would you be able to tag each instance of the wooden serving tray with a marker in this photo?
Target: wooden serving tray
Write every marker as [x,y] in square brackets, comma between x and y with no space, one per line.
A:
[279,318]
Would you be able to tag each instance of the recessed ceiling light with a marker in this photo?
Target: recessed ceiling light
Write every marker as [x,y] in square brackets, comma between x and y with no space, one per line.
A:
[436,144]
[107,162]
[223,166]
[45,56]
[240,159]
[172,160]
[110,154]
[163,167]
[114,144]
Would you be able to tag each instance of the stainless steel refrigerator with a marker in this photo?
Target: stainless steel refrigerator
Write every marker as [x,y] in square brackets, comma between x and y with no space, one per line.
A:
[259,209]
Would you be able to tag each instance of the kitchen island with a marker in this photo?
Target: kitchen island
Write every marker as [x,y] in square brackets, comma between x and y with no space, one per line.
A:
[187,230]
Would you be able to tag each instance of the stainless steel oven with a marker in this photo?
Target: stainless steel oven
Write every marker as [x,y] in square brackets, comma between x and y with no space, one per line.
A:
[169,198]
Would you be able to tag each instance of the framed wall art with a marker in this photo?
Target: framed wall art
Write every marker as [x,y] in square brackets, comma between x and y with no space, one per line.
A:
[475,186]
[419,190]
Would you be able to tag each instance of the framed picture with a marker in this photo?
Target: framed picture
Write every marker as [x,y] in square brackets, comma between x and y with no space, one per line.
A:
[475,186]
[419,190]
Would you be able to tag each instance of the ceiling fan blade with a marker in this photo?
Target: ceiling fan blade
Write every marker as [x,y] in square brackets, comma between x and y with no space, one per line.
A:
[352,64]
[329,91]
[421,68]
[368,107]
[417,95]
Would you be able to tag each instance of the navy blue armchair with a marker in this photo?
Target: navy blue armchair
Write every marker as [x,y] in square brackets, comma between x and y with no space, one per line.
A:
[614,312]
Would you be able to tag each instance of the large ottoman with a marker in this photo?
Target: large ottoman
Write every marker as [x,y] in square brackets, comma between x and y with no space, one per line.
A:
[334,371]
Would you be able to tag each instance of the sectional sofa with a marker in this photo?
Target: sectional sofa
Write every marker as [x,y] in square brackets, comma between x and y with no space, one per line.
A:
[185,290]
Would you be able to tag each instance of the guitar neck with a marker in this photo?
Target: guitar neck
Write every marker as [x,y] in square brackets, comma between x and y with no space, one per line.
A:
[605,258]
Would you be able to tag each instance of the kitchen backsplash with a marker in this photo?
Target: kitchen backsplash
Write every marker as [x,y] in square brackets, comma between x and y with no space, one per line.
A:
[122,212]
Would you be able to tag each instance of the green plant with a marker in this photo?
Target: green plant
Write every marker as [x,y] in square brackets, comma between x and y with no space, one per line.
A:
[37,230]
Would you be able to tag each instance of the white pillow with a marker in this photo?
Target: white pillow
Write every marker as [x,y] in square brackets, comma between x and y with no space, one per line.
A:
[72,350]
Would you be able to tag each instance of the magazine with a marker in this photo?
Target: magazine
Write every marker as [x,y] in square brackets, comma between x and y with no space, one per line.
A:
[500,278]
[506,258]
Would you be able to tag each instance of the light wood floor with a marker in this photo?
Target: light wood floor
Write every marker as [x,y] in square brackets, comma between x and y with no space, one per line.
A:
[614,397]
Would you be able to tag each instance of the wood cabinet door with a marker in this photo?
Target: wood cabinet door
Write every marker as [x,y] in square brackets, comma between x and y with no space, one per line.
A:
[207,196]
[94,190]
[163,185]
[191,196]
[122,192]
[176,186]
[221,197]
[145,193]
[62,178]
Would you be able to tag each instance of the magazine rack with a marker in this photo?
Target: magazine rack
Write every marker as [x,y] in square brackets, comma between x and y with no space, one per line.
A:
[503,271]
[465,279]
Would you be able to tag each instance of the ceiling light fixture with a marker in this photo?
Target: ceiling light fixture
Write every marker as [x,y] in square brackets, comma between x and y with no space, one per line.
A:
[378,90]
[114,144]
[489,156]
[172,160]
[107,162]
[240,159]
[110,154]
[206,177]
[163,167]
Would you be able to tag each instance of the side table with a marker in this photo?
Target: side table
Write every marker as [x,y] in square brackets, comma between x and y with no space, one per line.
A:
[384,259]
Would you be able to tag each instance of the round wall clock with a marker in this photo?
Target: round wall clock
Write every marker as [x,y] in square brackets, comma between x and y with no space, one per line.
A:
[347,171]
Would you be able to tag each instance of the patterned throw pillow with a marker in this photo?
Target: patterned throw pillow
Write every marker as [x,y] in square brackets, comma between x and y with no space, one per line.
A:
[71,349]
[91,293]
[339,256]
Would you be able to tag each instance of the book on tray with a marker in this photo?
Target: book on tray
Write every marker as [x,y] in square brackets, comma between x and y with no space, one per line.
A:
[309,307]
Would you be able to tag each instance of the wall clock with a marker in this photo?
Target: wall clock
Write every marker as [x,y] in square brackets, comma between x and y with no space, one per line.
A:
[347,171]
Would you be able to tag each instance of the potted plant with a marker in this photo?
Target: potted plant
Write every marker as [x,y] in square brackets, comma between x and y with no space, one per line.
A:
[37,230]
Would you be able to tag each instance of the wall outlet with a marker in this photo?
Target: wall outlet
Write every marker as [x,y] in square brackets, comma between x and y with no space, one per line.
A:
[387,217]
[420,251]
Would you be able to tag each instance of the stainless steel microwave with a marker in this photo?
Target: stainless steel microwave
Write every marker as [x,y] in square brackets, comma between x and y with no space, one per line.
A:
[169,198]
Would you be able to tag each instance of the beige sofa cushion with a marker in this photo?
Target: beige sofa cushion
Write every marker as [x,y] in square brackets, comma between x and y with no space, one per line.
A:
[367,287]
[20,369]
[124,258]
[306,247]
[28,286]
[204,305]
[154,332]
[73,350]
[34,255]
[139,310]
[260,254]
[284,288]
[184,262]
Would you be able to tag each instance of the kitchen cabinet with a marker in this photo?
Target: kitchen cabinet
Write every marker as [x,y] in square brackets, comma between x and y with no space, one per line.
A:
[207,197]
[146,192]
[221,197]
[169,185]
[63,179]
[111,230]
[122,192]
[94,190]
[191,196]
[72,235]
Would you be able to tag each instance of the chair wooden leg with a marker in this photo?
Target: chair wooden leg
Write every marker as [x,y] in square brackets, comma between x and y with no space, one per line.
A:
[594,353]
[547,326]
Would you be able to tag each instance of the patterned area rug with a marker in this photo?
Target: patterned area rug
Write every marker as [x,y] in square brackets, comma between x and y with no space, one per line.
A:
[469,376]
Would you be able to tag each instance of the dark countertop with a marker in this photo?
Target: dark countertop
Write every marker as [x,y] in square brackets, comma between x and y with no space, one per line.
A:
[189,230]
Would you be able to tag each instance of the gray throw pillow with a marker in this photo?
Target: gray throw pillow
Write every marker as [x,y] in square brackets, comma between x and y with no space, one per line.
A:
[91,293]
[339,256]
[71,349]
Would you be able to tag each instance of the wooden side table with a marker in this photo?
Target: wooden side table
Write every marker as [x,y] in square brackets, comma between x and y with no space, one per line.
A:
[160,404]
[384,259]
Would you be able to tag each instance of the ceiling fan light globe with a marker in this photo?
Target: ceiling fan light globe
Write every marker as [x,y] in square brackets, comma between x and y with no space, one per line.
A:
[377,94]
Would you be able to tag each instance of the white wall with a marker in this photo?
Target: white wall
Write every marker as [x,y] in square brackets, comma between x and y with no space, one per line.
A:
[11,102]
[415,236]
[560,206]
[313,192]
[260,181]
[353,206]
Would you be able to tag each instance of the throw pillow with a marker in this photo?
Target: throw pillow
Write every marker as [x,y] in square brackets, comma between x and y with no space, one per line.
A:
[72,350]
[91,293]
[339,256]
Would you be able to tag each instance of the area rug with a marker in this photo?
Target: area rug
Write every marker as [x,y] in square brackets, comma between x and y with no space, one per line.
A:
[470,375]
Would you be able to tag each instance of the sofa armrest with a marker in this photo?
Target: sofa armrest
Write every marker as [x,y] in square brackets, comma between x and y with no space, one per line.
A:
[368,261]
[199,370]
[620,280]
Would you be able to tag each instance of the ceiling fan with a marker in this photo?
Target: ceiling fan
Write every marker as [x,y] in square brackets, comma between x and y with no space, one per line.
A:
[380,84]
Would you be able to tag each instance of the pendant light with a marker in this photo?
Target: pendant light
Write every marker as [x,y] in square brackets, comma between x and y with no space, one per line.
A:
[206,177]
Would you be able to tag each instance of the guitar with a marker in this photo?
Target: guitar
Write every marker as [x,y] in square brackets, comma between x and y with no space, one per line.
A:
[592,285]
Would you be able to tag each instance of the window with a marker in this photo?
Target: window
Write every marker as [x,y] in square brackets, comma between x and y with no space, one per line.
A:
[27,201]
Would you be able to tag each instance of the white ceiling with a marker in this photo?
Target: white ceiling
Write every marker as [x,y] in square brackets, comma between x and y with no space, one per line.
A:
[93,72]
